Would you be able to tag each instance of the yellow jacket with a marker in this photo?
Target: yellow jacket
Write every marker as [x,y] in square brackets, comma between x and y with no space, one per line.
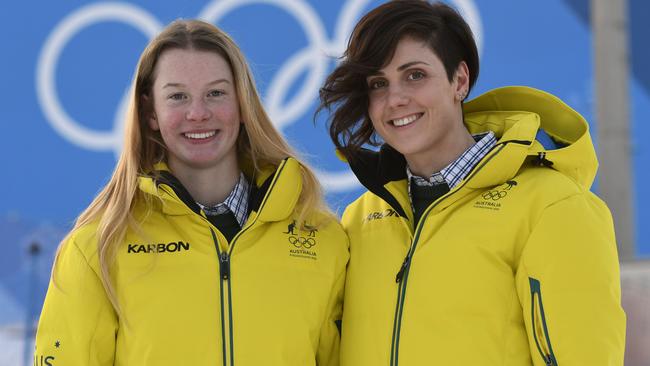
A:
[517,265]
[188,297]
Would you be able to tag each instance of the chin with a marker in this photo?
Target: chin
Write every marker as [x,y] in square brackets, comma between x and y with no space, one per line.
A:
[204,164]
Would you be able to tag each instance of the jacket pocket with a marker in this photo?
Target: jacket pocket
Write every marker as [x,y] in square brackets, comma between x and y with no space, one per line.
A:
[538,326]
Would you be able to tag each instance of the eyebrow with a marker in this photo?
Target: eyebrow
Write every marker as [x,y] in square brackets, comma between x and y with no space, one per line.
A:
[402,67]
[409,64]
[214,82]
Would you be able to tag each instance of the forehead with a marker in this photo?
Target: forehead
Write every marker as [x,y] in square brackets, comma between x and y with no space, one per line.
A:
[409,49]
[188,66]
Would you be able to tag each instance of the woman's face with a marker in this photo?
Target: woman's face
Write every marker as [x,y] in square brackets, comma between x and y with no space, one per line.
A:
[195,108]
[412,104]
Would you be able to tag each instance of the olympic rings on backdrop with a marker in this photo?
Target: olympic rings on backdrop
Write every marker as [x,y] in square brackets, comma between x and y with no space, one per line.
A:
[313,59]
[49,58]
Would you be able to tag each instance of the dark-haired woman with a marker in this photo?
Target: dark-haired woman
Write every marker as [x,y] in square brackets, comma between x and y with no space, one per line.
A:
[476,244]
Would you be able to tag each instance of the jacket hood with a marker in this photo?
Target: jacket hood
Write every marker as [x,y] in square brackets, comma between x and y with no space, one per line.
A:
[518,113]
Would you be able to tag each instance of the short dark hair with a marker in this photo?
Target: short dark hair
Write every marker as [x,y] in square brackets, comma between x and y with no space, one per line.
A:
[372,46]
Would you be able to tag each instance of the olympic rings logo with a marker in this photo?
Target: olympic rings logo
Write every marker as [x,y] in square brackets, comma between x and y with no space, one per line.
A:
[311,60]
[302,242]
[500,192]
[494,195]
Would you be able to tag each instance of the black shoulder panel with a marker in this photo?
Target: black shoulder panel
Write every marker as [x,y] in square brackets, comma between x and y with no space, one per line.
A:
[169,179]
[376,168]
[257,194]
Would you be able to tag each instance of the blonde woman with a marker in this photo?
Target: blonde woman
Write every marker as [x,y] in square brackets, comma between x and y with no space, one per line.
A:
[211,244]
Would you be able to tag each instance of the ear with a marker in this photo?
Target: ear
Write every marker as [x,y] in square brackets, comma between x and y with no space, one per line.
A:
[461,80]
[147,105]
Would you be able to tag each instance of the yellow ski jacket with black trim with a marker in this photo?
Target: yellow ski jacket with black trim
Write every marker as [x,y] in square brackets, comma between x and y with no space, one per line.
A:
[517,265]
[272,296]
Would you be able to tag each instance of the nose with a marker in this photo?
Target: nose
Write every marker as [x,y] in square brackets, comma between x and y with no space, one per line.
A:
[397,96]
[198,111]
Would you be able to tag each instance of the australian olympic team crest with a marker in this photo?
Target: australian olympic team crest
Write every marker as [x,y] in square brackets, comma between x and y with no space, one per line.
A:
[302,241]
[491,199]
[289,97]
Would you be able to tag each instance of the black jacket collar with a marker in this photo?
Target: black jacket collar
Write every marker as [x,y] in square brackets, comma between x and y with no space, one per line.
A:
[375,169]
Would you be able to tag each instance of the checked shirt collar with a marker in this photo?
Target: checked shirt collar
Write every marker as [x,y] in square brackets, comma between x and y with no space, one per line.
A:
[236,202]
[457,170]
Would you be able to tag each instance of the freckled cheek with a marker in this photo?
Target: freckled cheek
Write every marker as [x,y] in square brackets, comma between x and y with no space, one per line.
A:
[170,120]
[227,115]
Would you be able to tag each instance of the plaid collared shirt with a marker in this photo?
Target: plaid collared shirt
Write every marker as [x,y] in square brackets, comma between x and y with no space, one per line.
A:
[236,202]
[455,172]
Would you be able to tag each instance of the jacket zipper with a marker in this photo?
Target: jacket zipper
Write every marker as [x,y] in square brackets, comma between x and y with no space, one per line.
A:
[402,275]
[538,322]
[225,274]
[401,279]
[226,302]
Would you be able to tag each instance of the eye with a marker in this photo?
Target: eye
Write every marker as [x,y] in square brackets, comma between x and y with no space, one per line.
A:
[377,84]
[178,96]
[416,75]
[216,93]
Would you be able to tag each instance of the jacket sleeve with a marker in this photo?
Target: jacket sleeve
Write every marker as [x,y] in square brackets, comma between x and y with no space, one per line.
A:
[328,347]
[78,325]
[568,283]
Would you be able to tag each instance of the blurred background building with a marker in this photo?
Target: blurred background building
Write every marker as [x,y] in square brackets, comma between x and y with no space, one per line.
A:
[68,65]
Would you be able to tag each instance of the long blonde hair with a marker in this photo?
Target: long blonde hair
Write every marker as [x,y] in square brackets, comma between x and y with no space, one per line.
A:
[258,144]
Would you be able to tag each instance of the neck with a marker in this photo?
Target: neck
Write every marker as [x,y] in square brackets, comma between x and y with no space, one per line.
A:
[208,185]
[427,163]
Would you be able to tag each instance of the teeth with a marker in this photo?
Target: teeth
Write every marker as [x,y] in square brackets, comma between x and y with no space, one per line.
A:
[406,120]
[203,135]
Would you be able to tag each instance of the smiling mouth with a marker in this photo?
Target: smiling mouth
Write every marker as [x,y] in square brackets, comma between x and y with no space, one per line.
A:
[404,121]
[200,135]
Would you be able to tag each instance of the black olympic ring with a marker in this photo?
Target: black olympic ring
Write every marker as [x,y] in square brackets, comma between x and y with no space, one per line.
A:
[494,195]
[302,242]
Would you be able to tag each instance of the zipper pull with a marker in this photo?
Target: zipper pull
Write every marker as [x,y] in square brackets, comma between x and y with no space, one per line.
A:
[549,361]
[224,266]
[400,274]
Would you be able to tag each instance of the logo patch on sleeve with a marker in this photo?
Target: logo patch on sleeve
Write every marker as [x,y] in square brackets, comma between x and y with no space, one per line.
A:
[41,360]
